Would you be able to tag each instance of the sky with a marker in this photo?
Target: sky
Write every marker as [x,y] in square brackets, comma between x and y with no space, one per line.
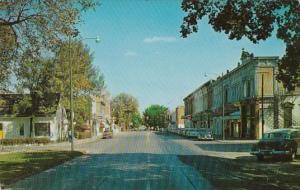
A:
[141,52]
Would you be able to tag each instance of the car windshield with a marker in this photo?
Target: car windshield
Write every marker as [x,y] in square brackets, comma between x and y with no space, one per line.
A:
[276,135]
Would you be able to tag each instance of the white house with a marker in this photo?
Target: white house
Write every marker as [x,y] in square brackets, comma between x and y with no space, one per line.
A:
[47,119]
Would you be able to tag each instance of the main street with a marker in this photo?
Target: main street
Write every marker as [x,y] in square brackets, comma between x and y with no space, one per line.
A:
[128,161]
[148,160]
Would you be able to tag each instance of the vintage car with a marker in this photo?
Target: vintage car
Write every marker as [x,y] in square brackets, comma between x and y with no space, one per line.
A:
[108,133]
[205,134]
[279,142]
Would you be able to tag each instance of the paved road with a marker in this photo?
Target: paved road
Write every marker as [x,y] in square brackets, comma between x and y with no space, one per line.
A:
[141,160]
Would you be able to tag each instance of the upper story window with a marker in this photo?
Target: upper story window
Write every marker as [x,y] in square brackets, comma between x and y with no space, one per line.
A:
[246,88]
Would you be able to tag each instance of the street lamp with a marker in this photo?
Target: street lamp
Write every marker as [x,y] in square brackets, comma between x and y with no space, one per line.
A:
[223,103]
[97,39]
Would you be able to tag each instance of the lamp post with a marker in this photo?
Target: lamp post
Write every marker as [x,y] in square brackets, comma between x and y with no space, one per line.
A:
[223,103]
[262,104]
[97,39]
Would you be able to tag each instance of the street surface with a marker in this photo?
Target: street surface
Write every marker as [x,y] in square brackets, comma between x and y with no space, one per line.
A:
[140,160]
[148,160]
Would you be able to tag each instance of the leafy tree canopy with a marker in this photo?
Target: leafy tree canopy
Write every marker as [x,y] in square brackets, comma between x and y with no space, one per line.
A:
[155,116]
[39,75]
[124,108]
[38,25]
[255,20]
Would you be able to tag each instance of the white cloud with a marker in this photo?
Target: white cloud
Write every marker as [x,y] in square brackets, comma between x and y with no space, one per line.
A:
[130,54]
[157,39]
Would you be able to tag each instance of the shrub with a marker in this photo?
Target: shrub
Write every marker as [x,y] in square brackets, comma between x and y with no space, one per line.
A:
[42,140]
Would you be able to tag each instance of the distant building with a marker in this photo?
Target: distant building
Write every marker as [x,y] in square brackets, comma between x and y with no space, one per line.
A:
[199,103]
[18,120]
[176,117]
[101,112]
[179,117]
[188,110]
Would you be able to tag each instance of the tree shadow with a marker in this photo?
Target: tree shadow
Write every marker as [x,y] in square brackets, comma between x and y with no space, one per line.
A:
[246,172]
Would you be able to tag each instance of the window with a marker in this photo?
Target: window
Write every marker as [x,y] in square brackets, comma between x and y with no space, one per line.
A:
[22,130]
[42,129]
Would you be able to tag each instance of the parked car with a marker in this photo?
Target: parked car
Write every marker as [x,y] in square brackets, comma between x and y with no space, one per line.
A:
[193,133]
[205,134]
[279,142]
[108,133]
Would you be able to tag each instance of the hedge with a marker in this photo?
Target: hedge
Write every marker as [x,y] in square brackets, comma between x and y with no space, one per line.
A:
[42,140]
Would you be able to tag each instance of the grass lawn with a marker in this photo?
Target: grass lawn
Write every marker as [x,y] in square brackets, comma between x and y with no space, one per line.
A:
[16,166]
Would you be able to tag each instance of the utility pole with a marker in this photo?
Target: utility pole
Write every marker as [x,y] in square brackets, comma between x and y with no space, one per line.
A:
[71,89]
[71,96]
[223,108]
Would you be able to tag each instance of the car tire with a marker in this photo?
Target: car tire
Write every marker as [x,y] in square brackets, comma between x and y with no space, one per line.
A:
[260,157]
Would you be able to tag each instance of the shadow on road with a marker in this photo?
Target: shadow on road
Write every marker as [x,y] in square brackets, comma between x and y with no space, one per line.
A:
[246,172]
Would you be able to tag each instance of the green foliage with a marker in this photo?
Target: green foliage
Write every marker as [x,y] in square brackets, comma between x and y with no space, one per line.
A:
[255,20]
[156,116]
[7,46]
[87,80]
[23,105]
[40,76]
[124,108]
[37,25]
[136,120]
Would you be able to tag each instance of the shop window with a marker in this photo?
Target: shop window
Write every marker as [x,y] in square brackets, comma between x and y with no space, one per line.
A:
[42,129]
[22,130]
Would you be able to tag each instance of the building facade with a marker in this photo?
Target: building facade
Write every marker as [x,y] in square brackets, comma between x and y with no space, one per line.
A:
[101,113]
[48,119]
[188,110]
[245,102]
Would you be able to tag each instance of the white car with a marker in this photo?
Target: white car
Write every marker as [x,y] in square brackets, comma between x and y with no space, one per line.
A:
[205,134]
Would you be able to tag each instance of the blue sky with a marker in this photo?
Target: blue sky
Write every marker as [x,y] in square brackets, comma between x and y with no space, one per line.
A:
[141,51]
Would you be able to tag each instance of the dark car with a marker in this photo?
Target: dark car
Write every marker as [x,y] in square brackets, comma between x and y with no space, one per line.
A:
[108,133]
[279,142]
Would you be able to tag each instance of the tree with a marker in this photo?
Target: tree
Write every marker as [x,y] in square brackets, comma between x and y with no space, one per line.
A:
[124,109]
[87,80]
[40,76]
[7,45]
[136,120]
[156,116]
[255,20]
[34,75]
[40,25]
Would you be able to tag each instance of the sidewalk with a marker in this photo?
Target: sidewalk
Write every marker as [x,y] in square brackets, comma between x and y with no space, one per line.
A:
[51,146]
